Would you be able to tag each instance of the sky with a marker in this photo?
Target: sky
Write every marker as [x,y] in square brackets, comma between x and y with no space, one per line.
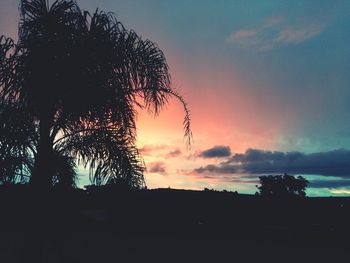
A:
[267,85]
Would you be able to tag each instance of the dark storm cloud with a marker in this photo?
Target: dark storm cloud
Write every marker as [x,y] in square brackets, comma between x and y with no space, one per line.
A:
[217,169]
[216,152]
[157,167]
[332,163]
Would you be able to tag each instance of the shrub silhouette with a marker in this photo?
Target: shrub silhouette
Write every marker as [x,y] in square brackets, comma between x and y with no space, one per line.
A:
[282,186]
[77,79]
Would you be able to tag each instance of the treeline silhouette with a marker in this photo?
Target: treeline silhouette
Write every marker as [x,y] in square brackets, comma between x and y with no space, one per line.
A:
[282,186]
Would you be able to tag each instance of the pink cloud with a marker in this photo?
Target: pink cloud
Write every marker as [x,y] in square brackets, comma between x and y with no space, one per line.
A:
[174,153]
[157,167]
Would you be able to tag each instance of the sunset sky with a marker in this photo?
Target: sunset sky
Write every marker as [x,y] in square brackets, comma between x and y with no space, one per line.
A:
[267,83]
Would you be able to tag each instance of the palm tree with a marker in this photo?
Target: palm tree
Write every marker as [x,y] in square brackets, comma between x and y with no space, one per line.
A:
[80,78]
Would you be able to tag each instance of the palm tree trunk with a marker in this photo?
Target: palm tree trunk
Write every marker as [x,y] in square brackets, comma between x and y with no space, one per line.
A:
[42,172]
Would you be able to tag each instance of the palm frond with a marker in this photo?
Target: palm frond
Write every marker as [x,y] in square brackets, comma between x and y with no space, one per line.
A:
[107,150]
[17,142]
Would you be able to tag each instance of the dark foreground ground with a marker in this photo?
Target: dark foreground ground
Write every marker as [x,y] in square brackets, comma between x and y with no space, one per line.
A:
[171,226]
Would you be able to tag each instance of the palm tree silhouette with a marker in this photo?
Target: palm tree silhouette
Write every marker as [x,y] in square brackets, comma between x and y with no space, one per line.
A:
[79,78]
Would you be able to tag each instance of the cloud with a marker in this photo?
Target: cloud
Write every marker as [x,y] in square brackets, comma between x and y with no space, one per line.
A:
[217,169]
[148,149]
[336,163]
[157,167]
[242,34]
[174,153]
[216,152]
[295,35]
[274,32]
[254,161]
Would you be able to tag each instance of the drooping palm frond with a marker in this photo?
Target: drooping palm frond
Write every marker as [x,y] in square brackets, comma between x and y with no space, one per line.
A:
[187,119]
[107,150]
[17,142]
[15,138]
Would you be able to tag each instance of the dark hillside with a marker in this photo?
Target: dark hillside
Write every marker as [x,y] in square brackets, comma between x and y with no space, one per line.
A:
[164,222]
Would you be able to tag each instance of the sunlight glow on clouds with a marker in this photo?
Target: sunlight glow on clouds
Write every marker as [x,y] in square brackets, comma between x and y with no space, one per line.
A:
[324,170]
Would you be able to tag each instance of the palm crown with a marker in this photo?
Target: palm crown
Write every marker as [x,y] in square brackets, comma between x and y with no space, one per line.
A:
[79,78]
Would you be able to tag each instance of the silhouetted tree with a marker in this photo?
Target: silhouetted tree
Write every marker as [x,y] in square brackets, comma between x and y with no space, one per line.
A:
[78,77]
[282,185]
